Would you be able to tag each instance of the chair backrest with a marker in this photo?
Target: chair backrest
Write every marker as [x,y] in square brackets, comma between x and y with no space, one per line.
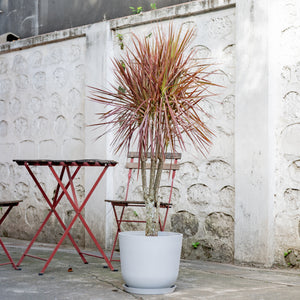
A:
[167,166]
[173,166]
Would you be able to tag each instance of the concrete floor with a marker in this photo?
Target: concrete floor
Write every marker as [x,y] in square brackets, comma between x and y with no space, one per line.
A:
[197,279]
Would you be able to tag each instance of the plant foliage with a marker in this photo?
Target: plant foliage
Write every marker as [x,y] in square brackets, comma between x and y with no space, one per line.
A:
[153,6]
[137,10]
[154,103]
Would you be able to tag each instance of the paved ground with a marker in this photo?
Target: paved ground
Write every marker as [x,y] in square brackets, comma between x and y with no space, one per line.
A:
[197,279]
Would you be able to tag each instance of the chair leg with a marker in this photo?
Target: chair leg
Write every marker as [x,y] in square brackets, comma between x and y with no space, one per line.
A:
[9,257]
[119,221]
[114,246]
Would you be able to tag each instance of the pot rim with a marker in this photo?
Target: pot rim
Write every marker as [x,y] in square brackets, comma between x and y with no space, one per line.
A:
[142,234]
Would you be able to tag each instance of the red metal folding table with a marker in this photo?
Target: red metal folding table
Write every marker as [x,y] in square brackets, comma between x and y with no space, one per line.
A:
[9,204]
[61,190]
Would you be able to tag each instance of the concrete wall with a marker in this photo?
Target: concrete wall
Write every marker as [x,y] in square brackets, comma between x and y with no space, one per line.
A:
[254,131]
[28,18]
[267,131]
[241,201]
[204,187]
[287,130]
[42,115]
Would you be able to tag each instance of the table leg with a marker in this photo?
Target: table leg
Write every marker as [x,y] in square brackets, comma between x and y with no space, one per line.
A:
[58,245]
[5,214]
[2,244]
[96,243]
[39,231]
[9,257]
[85,224]
[78,214]
[34,238]
[53,210]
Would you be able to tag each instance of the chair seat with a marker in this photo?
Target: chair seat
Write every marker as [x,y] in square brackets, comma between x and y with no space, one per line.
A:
[135,203]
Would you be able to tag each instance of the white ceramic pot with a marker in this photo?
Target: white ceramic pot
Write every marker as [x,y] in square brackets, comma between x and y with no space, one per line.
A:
[150,264]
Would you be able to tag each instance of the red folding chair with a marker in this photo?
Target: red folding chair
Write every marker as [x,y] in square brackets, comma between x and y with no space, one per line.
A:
[173,166]
[9,205]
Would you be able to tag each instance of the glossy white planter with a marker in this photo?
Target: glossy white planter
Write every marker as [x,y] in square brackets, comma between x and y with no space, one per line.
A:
[150,265]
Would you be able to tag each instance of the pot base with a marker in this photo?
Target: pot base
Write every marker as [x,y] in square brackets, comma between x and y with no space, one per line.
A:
[149,291]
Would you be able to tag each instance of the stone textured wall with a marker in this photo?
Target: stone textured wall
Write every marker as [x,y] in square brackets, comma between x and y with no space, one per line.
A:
[287,201]
[240,202]
[28,18]
[42,92]
[203,197]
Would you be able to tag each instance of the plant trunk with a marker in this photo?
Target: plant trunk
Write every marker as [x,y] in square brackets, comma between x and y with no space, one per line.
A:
[151,218]
[151,198]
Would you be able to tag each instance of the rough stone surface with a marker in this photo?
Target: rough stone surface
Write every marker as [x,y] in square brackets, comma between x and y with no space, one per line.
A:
[219,224]
[292,258]
[185,223]
[215,242]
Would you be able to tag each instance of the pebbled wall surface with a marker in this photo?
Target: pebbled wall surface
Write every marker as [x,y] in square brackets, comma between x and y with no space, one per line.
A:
[42,116]
[203,196]
[287,200]
[44,113]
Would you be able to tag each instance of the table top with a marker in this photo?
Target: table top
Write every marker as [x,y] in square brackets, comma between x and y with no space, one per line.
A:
[10,203]
[63,162]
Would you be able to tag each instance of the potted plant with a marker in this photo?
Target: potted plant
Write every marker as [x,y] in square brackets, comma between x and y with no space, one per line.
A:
[154,106]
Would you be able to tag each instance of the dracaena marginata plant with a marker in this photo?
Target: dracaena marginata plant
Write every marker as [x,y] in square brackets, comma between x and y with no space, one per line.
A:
[154,105]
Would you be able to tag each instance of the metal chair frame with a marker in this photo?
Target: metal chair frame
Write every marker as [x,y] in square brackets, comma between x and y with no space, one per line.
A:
[132,165]
[9,205]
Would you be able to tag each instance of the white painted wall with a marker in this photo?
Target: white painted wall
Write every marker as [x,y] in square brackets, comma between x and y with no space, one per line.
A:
[98,73]
[267,131]
[287,171]
[42,116]
[254,130]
